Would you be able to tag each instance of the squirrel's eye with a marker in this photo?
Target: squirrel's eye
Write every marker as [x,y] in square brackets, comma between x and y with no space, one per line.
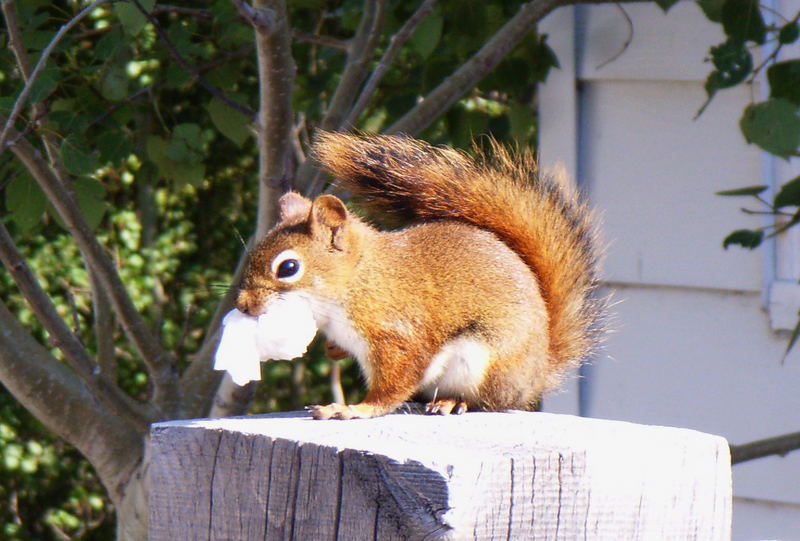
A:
[287,266]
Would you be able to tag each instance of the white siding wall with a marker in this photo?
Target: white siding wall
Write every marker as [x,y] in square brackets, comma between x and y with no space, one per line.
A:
[693,345]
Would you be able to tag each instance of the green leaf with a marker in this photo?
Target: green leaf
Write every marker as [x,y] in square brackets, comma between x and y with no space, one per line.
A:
[25,201]
[76,157]
[186,144]
[131,18]
[789,33]
[115,84]
[789,194]
[773,125]
[733,62]
[427,35]
[523,122]
[45,84]
[666,4]
[114,146]
[178,172]
[742,21]
[109,44]
[784,80]
[232,124]
[712,9]
[747,190]
[792,339]
[745,238]
[90,194]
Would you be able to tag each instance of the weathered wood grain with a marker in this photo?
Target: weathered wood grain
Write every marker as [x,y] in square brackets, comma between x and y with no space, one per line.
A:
[476,476]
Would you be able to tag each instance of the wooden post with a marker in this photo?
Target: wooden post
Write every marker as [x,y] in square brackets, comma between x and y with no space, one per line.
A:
[475,476]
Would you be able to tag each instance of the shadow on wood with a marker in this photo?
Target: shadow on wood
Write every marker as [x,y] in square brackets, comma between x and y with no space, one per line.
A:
[476,476]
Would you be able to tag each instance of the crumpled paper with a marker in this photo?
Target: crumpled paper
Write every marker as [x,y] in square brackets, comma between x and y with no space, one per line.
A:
[284,332]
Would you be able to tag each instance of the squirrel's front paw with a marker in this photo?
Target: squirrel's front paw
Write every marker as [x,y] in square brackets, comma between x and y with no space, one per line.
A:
[341,411]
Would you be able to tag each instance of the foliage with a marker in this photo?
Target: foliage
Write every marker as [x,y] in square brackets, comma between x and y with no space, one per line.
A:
[148,110]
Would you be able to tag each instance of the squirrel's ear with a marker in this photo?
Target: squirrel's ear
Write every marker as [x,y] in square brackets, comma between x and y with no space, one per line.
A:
[293,208]
[328,220]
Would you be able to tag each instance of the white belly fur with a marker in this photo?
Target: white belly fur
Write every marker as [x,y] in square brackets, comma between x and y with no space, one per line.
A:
[458,369]
[331,319]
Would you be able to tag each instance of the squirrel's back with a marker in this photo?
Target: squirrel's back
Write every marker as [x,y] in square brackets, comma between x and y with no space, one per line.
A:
[540,217]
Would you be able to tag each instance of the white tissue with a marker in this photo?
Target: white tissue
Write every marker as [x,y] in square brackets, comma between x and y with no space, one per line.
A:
[284,331]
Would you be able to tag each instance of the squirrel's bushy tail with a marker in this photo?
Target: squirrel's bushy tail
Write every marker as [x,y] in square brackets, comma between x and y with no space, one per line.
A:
[539,217]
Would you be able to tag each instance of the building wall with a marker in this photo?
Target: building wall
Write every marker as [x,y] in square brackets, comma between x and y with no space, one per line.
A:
[692,344]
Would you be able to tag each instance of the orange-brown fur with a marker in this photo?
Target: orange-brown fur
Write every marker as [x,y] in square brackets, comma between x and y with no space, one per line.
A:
[498,267]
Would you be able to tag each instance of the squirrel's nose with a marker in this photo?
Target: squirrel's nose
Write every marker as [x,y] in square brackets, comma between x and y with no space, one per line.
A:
[250,303]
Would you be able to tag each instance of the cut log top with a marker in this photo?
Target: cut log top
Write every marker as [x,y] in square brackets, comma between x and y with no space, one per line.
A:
[516,475]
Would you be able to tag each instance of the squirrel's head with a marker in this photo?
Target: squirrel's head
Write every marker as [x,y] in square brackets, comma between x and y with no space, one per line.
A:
[312,248]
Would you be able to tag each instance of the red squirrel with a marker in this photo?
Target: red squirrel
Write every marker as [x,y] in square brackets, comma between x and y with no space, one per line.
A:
[484,302]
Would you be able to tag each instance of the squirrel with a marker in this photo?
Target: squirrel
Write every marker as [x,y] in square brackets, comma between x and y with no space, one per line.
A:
[484,302]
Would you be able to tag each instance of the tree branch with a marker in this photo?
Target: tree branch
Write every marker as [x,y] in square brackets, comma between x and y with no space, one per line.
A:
[26,90]
[779,445]
[360,50]
[103,328]
[160,364]
[63,338]
[54,395]
[473,70]
[276,71]
[17,46]
[200,382]
[396,43]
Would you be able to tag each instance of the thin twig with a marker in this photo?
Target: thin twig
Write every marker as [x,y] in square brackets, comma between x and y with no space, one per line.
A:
[316,39]
[188,68]
[779,445]
[628,38]
[19,103]
[251,15]
[336,382]
[192,12]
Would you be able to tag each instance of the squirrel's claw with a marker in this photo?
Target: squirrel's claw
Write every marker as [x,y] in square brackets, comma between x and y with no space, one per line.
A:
[446,406]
